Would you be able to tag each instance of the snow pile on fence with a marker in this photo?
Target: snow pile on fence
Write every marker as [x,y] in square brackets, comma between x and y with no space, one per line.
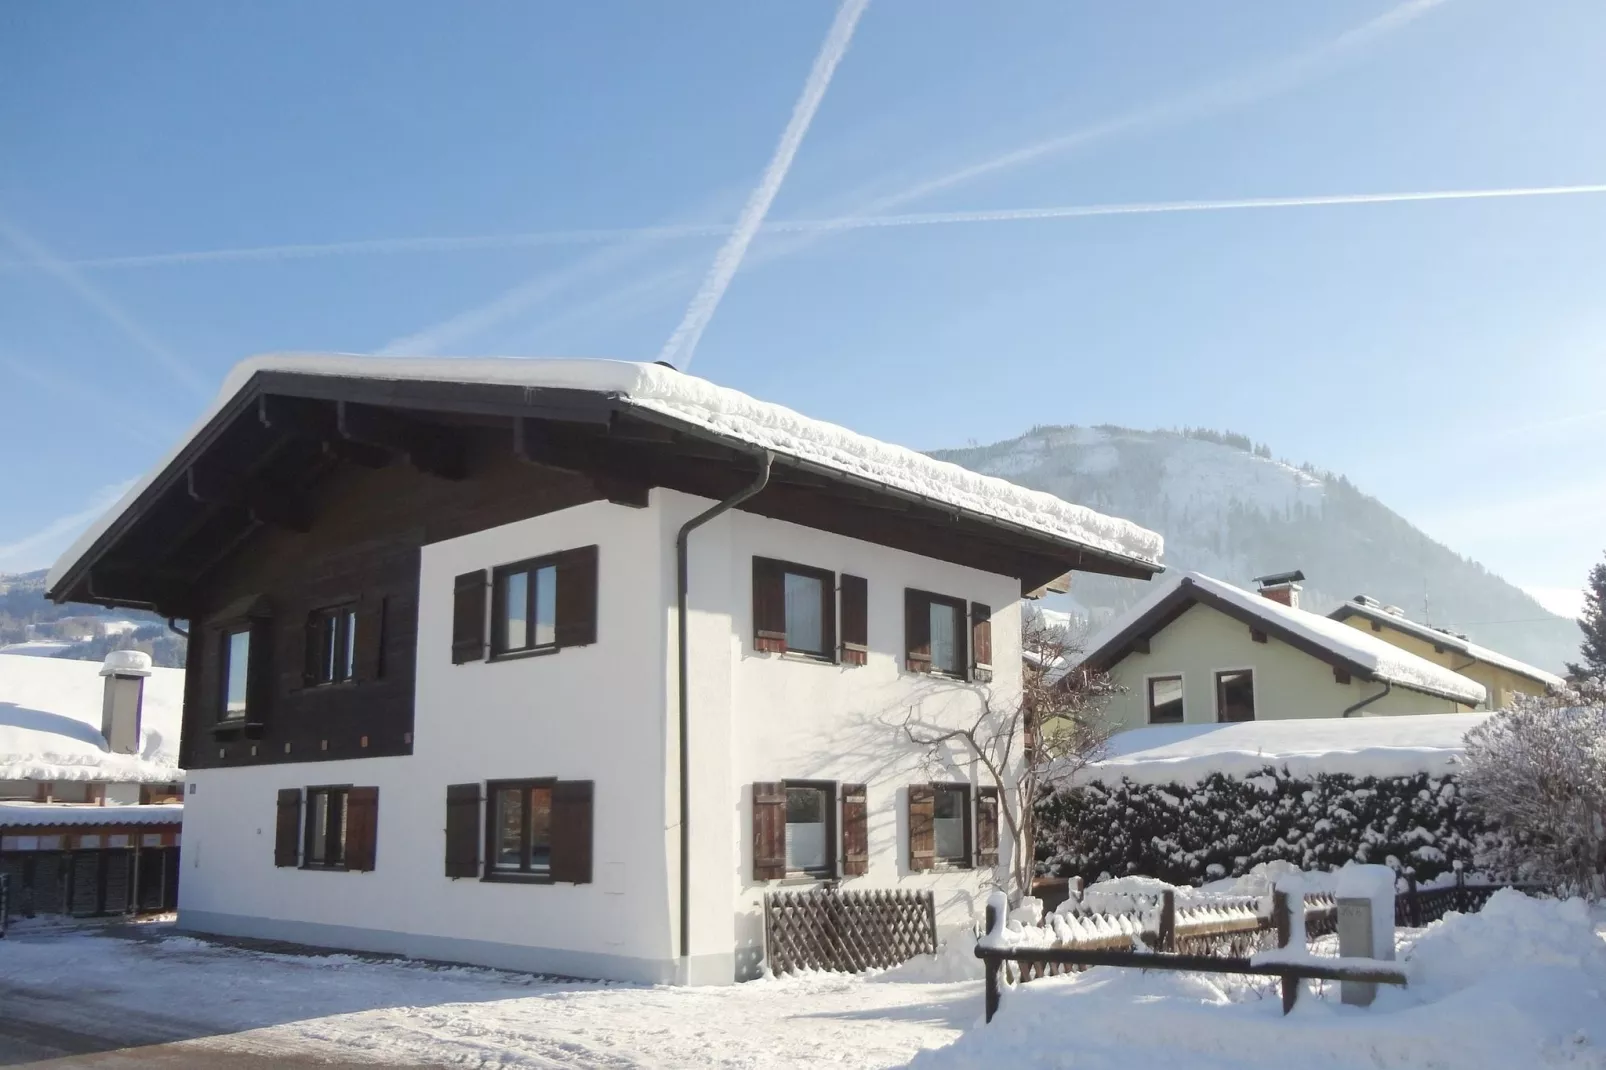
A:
[1303,747]
[720,410]
[1520,984]
[1223,826]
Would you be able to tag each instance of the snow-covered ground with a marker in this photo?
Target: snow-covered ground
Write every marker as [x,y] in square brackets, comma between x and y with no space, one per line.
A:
[1521,985]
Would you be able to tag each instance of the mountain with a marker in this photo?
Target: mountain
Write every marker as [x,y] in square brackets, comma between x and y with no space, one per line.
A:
[32,624]
[1228,509]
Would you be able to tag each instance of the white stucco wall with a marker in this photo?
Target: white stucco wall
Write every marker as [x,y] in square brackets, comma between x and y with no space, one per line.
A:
[1288,682]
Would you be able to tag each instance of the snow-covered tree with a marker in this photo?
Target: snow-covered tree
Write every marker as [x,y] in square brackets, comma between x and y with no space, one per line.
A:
[1593,623]
[1031,744]
[1537,772]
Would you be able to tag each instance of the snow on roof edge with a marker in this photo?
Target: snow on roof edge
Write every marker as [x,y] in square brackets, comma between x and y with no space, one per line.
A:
[26,814]
[718,409]
[1454,642]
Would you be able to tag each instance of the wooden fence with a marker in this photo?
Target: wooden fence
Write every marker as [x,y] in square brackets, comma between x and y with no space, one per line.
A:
[847,931]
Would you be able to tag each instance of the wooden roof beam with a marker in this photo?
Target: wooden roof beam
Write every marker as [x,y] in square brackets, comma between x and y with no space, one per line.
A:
[430,448]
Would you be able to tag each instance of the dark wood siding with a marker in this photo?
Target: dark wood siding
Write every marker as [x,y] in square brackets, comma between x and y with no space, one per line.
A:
[855,620]
[368,526]
[462,830]
[769,831]
[855,831]
[571,831]
[287,828]
[922,826]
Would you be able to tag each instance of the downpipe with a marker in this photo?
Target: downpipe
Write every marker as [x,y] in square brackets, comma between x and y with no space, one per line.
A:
[683,661]
[1365,702]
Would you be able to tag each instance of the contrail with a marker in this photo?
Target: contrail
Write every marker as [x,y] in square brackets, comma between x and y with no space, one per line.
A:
[729,258]
[67,276]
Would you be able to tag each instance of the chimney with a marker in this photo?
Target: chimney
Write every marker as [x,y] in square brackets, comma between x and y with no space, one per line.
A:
[125,672]
[1281,587]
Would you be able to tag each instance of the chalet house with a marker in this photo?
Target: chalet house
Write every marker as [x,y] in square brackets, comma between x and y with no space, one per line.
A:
[90,803]
[1504,677]
[1198,650]
[564,665]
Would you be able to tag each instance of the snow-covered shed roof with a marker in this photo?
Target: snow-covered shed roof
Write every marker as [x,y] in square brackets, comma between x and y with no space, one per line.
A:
[1371,609]
[50,724]
[670,399]
[1359,653]
[1359,746]
[40,815]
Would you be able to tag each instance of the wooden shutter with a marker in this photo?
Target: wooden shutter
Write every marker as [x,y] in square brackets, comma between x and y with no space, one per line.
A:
[922,826]
[577,597]
[462,830]
[987,826]
[981,642]
[769,606]
[571,831]
[855,620]
[769,831]
[468,617]
[287,833]
[855,831]
[917,631]
[370,637]
[362,827]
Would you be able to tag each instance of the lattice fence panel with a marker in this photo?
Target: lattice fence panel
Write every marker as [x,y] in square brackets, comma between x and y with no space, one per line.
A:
[847,931]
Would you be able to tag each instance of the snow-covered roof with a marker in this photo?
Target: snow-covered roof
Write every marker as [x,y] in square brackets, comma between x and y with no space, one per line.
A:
[698,403]
[1362,651]
[1359,746]
[1460,644]
[50,724]
[18,814]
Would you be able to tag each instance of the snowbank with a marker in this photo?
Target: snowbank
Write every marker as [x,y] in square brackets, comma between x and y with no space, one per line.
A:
[50,712]
[1360,746]
[701,404]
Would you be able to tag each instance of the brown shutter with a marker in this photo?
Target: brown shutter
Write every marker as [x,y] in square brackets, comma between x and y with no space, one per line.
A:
[370,637]
[855,620]
[981,642]
[769,606]
[462,830]
[987,826]
[922,826]
[571,831]
[917,631]
[769,831]
[287,833]
[362,827]
[855,831]
[577,597]
[468,617]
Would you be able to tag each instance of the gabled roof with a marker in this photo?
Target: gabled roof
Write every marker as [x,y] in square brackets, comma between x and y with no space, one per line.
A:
[50,723]
[1362,655]
[599,407]
[1371,609]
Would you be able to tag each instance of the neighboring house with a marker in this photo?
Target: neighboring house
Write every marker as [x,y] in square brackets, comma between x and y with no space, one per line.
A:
[1198,650]
[90,786]
[1504,677]
[563,665]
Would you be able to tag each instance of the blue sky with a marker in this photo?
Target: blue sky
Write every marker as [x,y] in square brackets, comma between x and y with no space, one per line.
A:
[1446,355]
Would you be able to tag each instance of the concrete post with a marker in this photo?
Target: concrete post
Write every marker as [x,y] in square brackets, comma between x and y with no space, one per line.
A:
[1365,923]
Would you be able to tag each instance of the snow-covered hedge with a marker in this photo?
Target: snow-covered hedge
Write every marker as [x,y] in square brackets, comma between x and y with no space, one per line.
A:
[1223,826]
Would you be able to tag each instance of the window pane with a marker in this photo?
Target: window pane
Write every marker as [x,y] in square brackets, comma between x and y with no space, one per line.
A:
[516,603]
[540,829]
[948,826]
[546,606]
[509,829]
[805,828]
[1236,695]
[1165,700]
[805,629]
[945,639]
[236,668]
[318,824]
[350,664]
[328,640]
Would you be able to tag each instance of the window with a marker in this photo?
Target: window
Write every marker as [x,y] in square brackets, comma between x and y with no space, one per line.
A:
[19,789]
[950,827]
[935,634]
[810,808]
[1165,700]
[236,672]
[325,843]
[332,645]
[794,609]
[1235,695]
[519,830]
[524,608]
[71,791]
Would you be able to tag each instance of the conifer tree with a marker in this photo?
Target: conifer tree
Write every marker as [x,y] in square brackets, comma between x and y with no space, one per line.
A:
[1593,623]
